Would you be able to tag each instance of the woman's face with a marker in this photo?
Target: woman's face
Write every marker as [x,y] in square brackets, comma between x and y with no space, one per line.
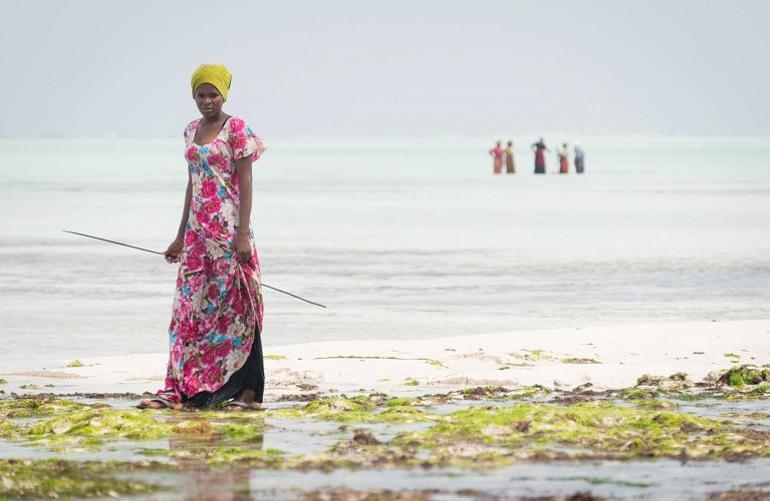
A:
[209,100]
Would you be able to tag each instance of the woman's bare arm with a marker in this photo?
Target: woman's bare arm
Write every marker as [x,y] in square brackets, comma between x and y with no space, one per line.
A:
[242,247]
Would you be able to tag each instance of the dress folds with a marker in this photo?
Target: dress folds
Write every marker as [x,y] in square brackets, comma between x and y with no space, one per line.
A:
[218,306]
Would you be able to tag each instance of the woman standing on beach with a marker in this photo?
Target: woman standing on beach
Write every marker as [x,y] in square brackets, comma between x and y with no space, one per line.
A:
[497,158]
[564,159]
[214,335]
[510,163]
[580,157]
[540,150]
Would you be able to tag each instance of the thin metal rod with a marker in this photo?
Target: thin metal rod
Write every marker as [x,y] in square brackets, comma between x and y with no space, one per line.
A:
[161,254]
[114,242]
[292,295]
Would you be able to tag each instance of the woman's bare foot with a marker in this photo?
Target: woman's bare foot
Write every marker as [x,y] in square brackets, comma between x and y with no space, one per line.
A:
[244,402]
[158,403]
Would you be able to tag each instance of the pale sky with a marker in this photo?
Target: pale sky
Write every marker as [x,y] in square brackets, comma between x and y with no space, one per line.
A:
[392,68]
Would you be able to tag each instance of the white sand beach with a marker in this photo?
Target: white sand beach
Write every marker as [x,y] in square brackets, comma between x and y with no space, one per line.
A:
[607,357]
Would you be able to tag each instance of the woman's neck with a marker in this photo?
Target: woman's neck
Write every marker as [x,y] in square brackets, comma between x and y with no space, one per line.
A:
[216,119]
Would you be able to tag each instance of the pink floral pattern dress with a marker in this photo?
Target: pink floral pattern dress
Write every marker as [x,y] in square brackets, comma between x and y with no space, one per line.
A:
[218,302]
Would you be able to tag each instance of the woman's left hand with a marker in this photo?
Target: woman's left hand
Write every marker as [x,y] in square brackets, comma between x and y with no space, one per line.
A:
[242,248]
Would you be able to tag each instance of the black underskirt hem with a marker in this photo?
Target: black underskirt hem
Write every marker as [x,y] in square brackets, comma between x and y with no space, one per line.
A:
[249,377]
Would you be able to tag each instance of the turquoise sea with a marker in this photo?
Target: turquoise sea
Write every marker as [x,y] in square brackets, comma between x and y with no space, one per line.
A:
[401,238]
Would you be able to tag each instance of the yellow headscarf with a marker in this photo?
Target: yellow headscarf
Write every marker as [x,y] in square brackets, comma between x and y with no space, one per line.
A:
[214,74]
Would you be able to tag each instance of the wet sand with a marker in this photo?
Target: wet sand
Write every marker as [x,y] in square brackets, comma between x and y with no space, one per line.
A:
[606,357]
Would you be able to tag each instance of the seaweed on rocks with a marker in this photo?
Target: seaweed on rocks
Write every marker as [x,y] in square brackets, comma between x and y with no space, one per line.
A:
[744,375]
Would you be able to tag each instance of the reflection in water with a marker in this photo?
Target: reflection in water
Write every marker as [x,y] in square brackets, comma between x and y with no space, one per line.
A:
[217,484]
[204,482]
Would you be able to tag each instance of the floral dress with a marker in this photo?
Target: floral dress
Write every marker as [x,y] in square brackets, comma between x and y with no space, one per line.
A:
[218,302]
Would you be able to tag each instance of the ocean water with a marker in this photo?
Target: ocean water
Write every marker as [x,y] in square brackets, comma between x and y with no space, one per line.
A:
[401,238]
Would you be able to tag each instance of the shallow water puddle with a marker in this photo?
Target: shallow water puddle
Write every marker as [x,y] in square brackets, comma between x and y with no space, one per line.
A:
[754,412]
[661,479]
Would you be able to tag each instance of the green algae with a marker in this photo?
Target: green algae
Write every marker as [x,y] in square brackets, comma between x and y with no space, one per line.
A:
[579,361]
[375,408]
[655,404]
[76,363]
[744,375]
[243,432]
[496,435]
[36,407]
[60,478]
[671,385]
[275,357]
[411,382]
[363,449]
[340,409]
[485,392]
[534,355]
[435,363]
[490,435]
[7,428]
[268,458]
[595,428]
[404,415]
[93,427]
[530,392]
[500,393]
[737,383]
[3,381]
[506,367]
[222,455]
[538,355]
[62,424]
[401,402]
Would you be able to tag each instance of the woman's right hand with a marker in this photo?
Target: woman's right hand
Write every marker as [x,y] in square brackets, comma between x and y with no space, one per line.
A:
[174,251]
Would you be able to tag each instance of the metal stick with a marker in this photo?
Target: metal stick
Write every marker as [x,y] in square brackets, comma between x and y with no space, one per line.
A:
[161,254]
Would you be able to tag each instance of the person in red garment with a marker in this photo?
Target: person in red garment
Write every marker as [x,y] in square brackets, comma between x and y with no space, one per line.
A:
[215,352]
[497,158]
[564,159]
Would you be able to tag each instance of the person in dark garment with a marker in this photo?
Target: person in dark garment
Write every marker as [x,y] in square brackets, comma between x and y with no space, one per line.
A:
[540,150]
[580,158]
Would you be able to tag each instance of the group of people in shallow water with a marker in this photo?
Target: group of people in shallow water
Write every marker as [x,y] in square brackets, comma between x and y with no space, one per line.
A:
[500,155]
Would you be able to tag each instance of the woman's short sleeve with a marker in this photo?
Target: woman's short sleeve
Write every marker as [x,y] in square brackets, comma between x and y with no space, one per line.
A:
[243,141]
[189,130]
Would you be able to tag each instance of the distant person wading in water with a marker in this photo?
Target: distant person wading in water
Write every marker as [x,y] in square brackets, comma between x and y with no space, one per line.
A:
[580,157]
[497,158]
[510,163]
[215,348]
[540,150]
[564,159]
